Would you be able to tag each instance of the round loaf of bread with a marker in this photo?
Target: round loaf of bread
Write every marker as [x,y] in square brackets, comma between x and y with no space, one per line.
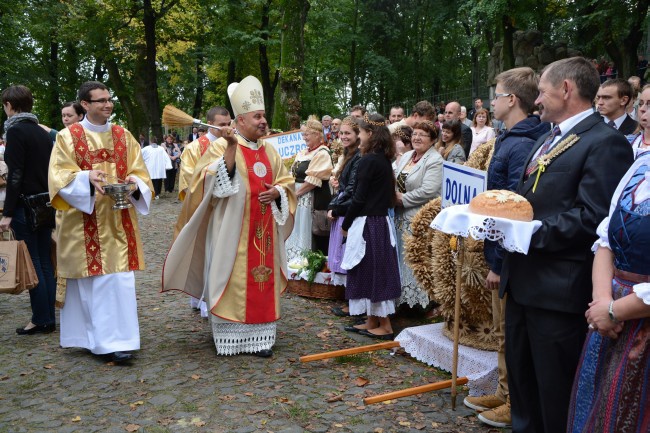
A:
[502,203]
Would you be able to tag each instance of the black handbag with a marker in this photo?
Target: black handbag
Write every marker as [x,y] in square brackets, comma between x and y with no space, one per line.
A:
[39,211]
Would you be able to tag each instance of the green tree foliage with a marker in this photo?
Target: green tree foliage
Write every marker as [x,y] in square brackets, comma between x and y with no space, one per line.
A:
[331,54]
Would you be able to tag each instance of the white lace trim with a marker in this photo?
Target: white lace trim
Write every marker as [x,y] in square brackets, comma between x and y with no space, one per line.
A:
[365,306]
[233,338]
[281,215]
[412,293]
[513,235]
[428,344]
[223,185]
[300,239]
[642,290]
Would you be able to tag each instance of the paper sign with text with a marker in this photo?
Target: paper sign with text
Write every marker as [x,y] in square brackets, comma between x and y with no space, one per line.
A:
[287,143]
[460,184]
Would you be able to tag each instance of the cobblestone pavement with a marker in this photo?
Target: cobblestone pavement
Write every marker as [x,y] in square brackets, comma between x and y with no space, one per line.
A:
[179,384]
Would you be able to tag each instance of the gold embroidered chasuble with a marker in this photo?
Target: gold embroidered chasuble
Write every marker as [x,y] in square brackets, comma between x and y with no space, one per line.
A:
[106,241]
[215,247]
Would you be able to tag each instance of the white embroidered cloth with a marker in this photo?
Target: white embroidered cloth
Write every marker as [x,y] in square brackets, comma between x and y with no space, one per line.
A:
[512,235]
[428,344]
[320,278]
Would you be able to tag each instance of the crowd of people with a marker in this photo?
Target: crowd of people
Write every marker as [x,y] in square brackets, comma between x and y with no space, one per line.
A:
[570,316]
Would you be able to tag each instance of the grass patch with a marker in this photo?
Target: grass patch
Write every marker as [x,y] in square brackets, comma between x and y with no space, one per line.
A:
[189,406]
[298,413]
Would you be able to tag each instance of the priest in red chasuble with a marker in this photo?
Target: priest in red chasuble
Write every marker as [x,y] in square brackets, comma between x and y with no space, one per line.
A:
[231,252]
[98,248]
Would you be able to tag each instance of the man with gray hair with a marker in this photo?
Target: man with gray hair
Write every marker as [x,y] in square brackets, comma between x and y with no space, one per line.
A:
[549,289]
[463,116]
[327,124]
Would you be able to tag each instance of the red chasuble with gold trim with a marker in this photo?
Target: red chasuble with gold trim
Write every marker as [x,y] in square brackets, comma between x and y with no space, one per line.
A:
[260,293]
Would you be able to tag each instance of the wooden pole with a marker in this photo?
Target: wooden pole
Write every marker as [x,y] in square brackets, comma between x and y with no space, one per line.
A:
[459,275]
[416,390]
[354,350]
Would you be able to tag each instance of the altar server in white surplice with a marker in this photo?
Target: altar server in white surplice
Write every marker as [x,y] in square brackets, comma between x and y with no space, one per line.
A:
[157,161]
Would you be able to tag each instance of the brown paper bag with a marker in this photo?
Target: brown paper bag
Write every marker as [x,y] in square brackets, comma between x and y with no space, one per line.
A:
[17,272]
[9,275]
[28,277]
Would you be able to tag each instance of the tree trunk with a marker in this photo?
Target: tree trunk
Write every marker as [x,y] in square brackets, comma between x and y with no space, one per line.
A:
[152,99]
[623,51]
[292,62]
[508,50]
[200,79]
[54,114]
[268,85]
[135,117]
[352,71]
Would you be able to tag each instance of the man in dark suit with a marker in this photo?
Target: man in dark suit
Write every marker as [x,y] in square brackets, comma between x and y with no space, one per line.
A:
[452,112]
[549,289]
[612,100]
[194,135]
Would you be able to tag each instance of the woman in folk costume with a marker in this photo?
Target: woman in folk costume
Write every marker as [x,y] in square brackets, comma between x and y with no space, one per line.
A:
[311,169]
[98,248]
[231,252]
[370,256]
[610,391]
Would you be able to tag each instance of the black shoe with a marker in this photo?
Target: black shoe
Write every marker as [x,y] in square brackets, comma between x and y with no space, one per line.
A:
[118,357]
[38,329]
[266,353]
[338,311]
[377,336]
[351,328]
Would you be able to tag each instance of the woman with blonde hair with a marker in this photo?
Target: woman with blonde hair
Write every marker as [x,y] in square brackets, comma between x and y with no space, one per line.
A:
[482,130]
[311,169]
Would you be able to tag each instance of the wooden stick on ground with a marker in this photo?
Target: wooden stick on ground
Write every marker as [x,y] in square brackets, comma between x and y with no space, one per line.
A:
[416,390]
[454,365]
[344,352]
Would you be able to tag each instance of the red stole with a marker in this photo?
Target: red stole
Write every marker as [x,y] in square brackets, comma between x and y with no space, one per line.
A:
[85,159]
[260,290]
[204,142]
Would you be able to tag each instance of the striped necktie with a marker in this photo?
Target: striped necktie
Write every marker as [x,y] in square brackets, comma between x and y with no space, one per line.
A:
[544,149]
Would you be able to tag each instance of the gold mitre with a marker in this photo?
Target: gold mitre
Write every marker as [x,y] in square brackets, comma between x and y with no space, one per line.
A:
[246,96]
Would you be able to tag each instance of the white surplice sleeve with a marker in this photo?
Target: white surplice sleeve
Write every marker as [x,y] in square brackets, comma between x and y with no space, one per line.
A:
[77,193]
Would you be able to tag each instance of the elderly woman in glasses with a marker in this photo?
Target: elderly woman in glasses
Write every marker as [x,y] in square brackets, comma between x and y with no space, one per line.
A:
[311,169]
[418,180]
